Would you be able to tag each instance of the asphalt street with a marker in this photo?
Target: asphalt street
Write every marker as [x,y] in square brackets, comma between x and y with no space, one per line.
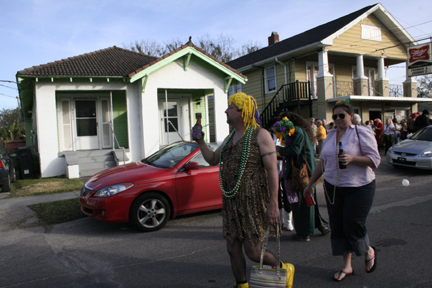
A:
[190,251]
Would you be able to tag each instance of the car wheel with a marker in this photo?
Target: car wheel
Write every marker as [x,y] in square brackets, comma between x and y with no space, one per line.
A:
[149,212]
[6,187]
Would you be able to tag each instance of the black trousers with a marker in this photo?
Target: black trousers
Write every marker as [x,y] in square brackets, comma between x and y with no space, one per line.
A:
[347,217]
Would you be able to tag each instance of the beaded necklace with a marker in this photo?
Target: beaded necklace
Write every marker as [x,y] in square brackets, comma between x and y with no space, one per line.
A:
[337,169]
[244,157]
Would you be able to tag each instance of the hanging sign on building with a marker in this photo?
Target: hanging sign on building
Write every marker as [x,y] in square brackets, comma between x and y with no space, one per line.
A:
[419,60]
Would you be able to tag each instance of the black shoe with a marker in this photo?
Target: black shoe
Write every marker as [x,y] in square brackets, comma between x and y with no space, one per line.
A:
[324,230]
[301,238]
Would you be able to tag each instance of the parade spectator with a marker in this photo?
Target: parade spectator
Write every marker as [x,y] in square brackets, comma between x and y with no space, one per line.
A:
[422,120]
[356,119]
[350,191]
[379,132]
[321,134]
[389,130]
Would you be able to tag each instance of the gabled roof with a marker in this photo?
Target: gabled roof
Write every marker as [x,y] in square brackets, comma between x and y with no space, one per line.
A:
[188,49]
[109,62]
[321,36]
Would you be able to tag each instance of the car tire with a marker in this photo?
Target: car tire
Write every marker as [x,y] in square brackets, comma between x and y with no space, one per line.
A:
[6,186]
[149,212]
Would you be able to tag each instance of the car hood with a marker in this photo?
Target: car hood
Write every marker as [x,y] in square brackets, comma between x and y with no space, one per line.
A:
[413,146]
[131,172]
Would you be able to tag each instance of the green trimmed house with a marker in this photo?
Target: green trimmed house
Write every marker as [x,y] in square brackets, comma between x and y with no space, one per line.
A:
[113,106]
[343,59]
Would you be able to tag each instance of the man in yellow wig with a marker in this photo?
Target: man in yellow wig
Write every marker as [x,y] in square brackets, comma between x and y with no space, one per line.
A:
[250,194]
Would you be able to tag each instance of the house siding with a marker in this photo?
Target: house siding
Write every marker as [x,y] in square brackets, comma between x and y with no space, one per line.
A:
[351,42]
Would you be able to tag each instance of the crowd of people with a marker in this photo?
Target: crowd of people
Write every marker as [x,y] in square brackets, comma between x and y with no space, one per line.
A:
[268,180]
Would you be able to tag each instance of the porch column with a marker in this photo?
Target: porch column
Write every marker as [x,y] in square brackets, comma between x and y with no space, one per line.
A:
[382,83]
[360,81]
[410,89]
[323,64]
[325,88]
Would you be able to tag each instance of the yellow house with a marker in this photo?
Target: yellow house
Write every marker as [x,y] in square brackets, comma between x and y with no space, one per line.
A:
[342,59]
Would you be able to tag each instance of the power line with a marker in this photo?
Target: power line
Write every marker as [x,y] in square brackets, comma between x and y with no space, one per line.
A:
[8,87]
[7,95]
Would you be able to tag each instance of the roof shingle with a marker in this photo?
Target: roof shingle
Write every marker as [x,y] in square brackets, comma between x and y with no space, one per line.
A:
[109,62]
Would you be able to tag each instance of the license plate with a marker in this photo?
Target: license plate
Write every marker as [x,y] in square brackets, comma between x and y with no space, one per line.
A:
[401,159]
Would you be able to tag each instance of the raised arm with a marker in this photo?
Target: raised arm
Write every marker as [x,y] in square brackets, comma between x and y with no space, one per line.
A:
[212,157]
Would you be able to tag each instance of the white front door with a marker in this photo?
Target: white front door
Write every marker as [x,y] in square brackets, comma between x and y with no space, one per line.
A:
[169,114]
[86,125]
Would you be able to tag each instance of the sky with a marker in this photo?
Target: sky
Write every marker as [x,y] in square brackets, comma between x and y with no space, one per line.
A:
[35,32]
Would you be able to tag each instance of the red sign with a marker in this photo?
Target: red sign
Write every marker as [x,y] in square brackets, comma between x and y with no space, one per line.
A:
[419,54]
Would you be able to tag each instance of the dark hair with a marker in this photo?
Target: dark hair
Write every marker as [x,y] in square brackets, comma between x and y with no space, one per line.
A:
[426,112]
[300,122]
[367,122]
[345,106]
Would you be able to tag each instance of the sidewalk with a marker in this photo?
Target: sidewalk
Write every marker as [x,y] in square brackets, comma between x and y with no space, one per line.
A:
[14,212]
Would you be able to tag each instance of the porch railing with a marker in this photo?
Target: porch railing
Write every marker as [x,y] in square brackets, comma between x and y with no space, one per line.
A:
[344,88]
[396,90]
[287,93]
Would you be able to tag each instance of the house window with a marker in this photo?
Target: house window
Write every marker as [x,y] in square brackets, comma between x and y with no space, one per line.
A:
[270,79]
[371,33]
[233,89]
[370,73]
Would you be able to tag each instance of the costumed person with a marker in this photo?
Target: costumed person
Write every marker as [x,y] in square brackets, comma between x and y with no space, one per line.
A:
[297,136]
[284,206]
[248,178]
[349,187]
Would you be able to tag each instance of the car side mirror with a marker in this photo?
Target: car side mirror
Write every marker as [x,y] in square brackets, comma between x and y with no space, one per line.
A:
[191,166]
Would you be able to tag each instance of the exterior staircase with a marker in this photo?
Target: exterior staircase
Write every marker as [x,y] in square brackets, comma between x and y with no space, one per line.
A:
[288,97]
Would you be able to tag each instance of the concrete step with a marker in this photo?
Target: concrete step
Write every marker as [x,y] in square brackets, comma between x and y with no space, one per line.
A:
[95,159]
[91,169]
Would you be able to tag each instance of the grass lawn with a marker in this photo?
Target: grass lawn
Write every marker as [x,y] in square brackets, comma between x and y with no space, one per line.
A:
[34,187]
[58,211]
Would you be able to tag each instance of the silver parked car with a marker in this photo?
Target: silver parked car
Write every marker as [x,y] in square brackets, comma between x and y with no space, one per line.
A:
[414,152]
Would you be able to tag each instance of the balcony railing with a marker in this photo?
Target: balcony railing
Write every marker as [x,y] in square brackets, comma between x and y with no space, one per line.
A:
[344,88]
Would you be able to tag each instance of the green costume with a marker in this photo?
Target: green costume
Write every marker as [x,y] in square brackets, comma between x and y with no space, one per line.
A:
[306,219]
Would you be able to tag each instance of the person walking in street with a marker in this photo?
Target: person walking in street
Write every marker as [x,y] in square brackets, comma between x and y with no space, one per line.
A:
[379,132]
[298,150]
[349,188]
[314,130]
[249,182]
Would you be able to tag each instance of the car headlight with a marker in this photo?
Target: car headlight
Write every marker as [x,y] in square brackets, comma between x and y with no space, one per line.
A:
[113,190]
[426,154]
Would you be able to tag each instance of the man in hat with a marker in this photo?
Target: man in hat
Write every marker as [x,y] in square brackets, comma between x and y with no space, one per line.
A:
[422,120]
[249,183]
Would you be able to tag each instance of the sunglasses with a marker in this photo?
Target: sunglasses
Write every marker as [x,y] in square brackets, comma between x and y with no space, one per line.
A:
[341,116]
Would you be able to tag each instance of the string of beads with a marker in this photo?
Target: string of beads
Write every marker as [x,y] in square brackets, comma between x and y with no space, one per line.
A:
[244,157]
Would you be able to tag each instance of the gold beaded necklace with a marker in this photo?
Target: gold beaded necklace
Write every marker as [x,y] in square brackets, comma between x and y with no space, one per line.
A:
[337,169]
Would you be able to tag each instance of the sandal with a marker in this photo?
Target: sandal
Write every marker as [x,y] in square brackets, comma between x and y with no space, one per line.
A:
[341,272]
[373,258]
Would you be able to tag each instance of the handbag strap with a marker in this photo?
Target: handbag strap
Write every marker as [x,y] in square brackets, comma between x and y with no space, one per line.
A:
[358,135]
[264,248]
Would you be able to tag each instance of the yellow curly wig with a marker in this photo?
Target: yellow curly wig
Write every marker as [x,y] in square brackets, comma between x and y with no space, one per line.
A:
[249,108]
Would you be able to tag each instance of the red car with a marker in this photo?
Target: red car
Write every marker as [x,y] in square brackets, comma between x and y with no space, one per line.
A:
[174,181]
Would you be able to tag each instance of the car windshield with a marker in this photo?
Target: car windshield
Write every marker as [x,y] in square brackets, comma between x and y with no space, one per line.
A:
[171,155]
[425,134]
